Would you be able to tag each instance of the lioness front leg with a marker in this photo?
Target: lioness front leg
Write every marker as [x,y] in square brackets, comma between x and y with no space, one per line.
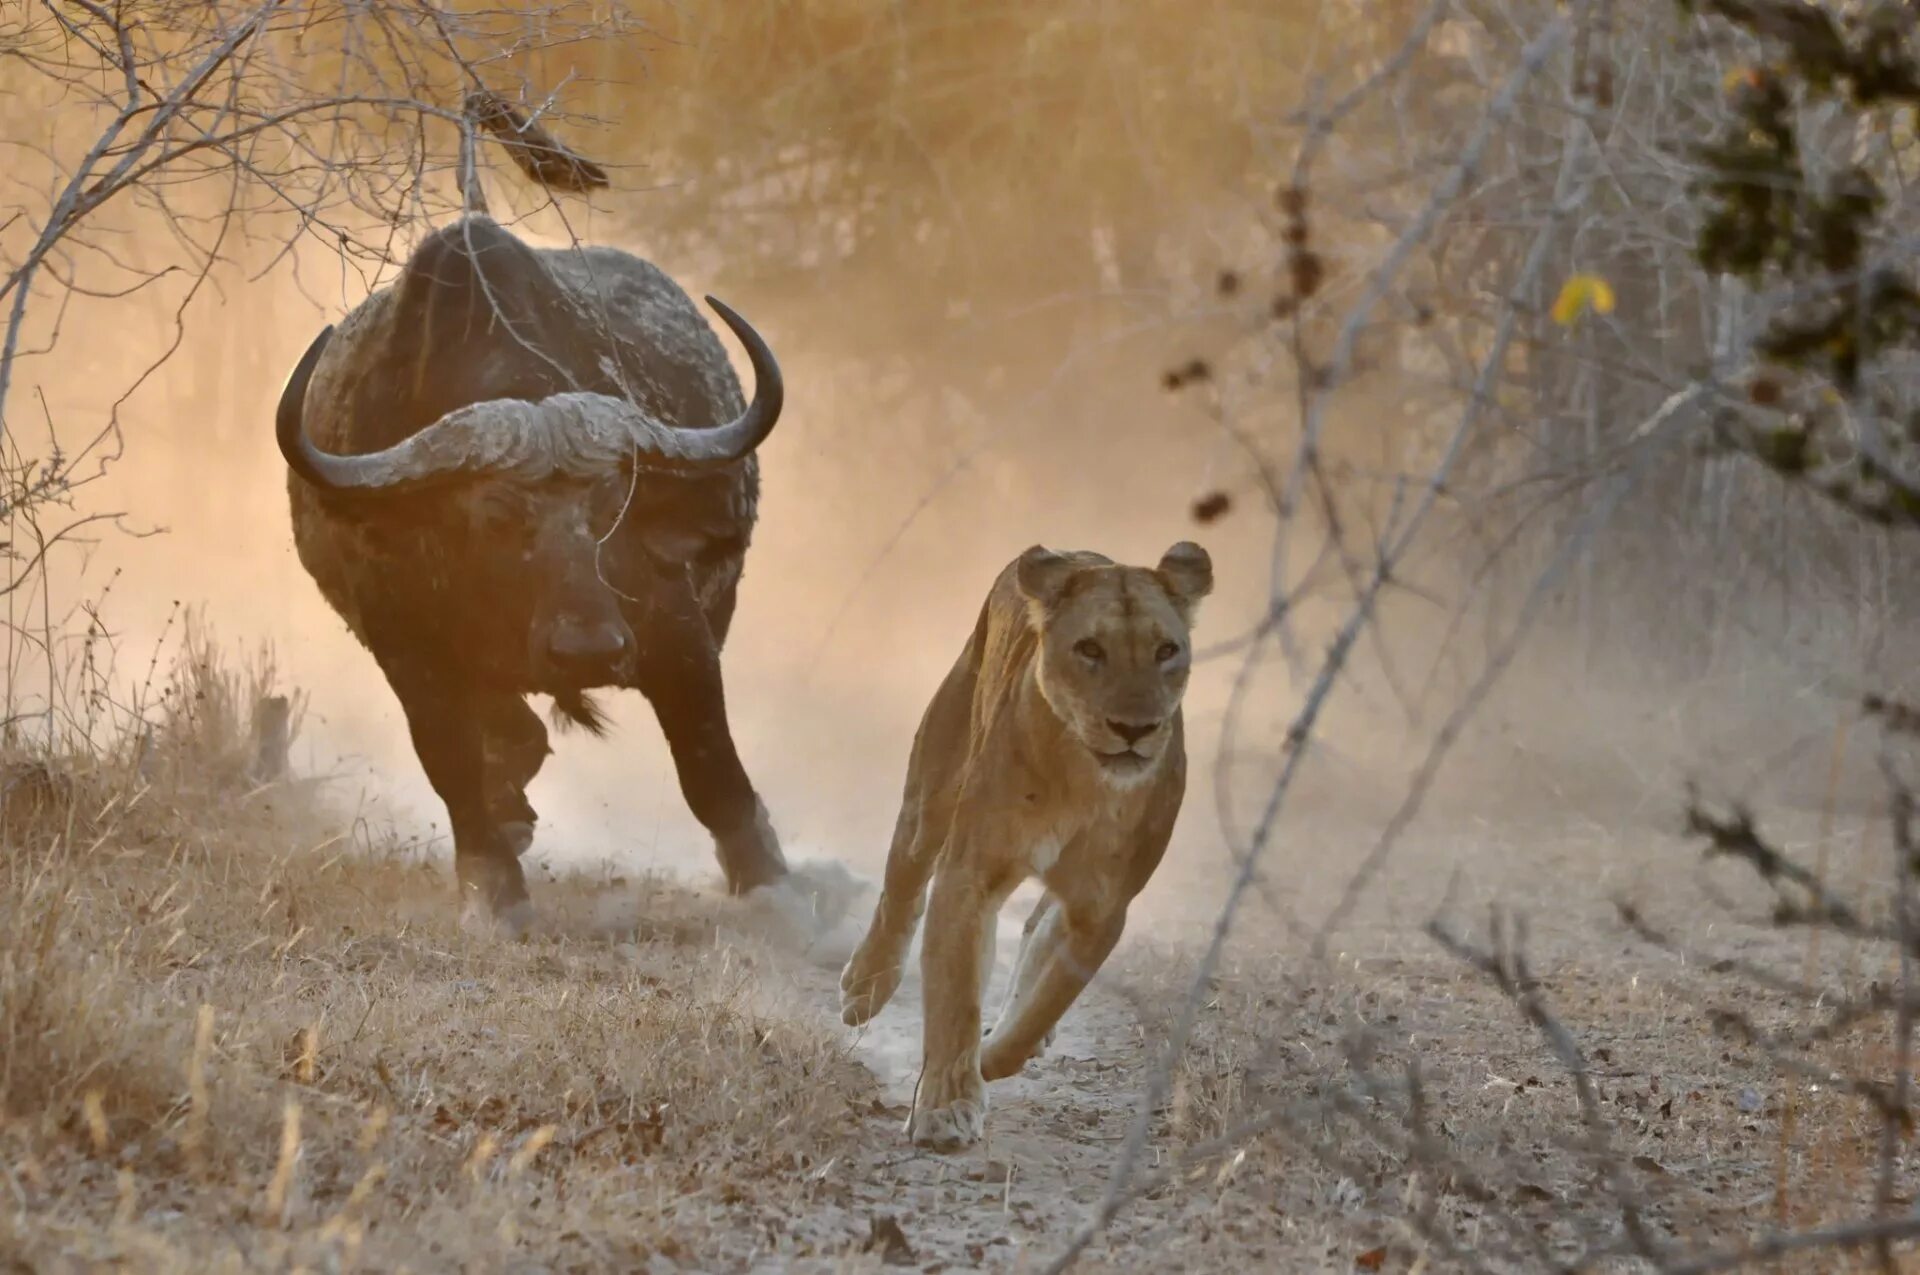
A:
[950,1105]
[926,815]
[1064,953]
[1026,968]
[873,973]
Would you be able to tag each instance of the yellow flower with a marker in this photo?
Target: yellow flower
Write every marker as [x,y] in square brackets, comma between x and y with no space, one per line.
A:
[1578,293]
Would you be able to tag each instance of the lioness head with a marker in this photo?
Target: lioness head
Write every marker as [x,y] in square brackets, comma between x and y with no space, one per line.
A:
[1115,646]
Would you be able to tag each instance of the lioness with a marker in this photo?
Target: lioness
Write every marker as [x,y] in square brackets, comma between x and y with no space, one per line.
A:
[1053,748]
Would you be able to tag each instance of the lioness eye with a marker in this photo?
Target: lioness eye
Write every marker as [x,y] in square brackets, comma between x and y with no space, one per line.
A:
[1166,652]
[1088,649]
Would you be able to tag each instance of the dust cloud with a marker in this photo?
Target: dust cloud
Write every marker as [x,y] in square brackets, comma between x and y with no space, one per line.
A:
[873,552]
[929,437]
[868,568]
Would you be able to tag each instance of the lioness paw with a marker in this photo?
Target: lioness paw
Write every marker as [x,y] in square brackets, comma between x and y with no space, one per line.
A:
[998,1061]
[1046,1042]
[950,1128]
[865,988]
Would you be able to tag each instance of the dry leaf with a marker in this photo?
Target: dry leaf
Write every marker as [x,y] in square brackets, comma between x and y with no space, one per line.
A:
[1211,507]
[538,153]
[884,1233]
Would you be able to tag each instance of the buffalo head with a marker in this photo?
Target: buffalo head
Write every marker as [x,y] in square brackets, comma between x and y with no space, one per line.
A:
[544,525]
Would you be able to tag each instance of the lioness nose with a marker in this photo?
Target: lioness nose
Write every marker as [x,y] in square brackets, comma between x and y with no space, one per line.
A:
[1132,732]
[587,648]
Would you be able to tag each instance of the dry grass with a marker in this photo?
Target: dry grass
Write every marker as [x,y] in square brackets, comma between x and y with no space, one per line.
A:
[233,1033]
[230,1033]
[1719,1143]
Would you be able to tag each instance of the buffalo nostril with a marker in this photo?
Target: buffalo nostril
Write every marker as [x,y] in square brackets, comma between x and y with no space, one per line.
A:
[583,646]
[1132,732]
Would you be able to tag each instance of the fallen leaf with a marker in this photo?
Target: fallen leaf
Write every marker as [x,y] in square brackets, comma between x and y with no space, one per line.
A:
[885,1234]
[1211,506]
[1372,1259]
[1190,373]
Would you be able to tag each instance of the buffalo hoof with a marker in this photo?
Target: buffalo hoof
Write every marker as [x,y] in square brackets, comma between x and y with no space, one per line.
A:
[519,837]
[512,922]
[750,854]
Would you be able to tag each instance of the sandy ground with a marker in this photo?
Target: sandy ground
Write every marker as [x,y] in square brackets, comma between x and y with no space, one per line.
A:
[1009,1202]
[1707,1129]
[658,1079]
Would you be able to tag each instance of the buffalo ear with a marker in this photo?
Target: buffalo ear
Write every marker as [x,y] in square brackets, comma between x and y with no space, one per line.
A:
[1186,573]
[1042,575]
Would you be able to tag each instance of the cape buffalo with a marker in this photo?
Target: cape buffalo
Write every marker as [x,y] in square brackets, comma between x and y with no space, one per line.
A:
[523,470]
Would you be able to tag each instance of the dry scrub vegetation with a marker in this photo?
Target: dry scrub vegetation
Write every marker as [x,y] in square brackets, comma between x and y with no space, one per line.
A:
[1407,304]
[1399,1105]
[233,1031]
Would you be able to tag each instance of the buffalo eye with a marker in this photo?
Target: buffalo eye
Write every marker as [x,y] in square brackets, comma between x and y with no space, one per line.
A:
[1090,651]
[1166,652]
[504,519]
[497,510]
[611,503]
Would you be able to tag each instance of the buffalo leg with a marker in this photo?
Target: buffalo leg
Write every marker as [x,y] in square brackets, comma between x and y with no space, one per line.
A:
[516,746]
[720,618]
[449,736]
[680,676]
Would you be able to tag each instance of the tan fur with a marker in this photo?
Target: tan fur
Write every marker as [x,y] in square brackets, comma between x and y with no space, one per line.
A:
[1020,769]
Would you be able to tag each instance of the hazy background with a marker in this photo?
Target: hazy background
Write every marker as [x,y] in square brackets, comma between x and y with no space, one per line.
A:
[977,237]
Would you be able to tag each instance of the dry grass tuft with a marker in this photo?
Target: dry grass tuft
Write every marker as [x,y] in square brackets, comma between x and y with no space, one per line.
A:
[225,1035]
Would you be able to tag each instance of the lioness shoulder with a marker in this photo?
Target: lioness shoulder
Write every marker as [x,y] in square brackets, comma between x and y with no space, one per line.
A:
[1054,748]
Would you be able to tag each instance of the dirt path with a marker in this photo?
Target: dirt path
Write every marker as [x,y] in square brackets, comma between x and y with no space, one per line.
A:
[1052,1132]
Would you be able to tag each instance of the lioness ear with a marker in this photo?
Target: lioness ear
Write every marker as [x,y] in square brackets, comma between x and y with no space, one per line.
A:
[1187,573]
[1042,575]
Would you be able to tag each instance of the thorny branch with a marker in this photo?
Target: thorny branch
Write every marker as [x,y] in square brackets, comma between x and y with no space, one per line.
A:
[1589,151]
[1802,899]
[214,115]
[1735,835]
